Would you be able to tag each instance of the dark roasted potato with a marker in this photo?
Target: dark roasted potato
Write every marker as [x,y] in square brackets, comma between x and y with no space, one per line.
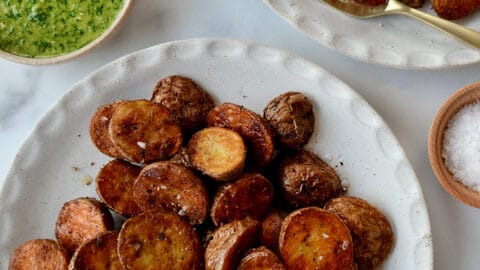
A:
[187,102]
[173,187]
[251,195]
[42,254]
[306,180]
[371,232]
[260,258]
[313,238]
[413,3]
[114,185]
[291,116]
[229,242]
[257,134]
[159,241]
[98,253]
[455,9]
[144,132]
[217,152]
[80,220]
[271,225]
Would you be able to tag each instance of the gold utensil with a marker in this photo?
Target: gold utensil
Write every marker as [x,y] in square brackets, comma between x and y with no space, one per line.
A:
[461,33]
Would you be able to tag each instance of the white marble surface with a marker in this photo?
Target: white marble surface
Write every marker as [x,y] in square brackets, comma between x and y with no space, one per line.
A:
[406,99]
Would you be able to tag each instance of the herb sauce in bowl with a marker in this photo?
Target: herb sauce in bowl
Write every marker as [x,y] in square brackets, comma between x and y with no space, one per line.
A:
[49,28]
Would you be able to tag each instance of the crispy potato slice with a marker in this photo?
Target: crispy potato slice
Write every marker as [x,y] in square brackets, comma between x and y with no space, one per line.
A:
[173,187]
[217,152]
[313,238]
[254,130]
[80,220]
[98,253]
[260,258]
[251,195]
[229,242]
[291,116]
[144,132]
[187,102]
[159,240]
[271,225]
[306,180]
[99,129]
[371,232]
[44,254]
[114,186]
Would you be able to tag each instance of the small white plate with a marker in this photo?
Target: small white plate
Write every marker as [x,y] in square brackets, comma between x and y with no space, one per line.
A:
[394,40]
[349,135]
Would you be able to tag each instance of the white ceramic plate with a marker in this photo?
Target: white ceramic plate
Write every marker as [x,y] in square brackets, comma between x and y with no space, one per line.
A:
[349,135]
[395,40]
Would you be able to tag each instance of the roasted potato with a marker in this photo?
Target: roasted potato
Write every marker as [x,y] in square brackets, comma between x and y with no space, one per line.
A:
[291,116]
[114,185]
[173,187]
[371,232]
[313,238]
[217,152]
[251,195]
[306,180]
[257,134]
[413,3]
[80,220]
[98,253]
[181,158]
[455,9]
[159,240]
[271,225]
[187,102]
[260,258]
[144,132]
[229,242]
[44,254]
[99,129]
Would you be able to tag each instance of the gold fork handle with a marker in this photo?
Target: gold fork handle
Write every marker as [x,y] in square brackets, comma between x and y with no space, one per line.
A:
[461,33]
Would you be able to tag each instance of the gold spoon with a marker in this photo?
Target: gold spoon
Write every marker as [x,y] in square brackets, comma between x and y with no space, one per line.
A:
[463,34]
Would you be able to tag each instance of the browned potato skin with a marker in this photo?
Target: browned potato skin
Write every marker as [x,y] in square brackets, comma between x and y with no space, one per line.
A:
[371,232]
[44,254]
[217,152]
[159,241]
[271,225]
[98,253]
[260,258]
[80,220]
[313,238]
[258,135]
[306,180]
[114,185]
[99,129]
[173,187]
[187,102]
[229,242]
[251,195]
[291,116]
[455,9]
[143,132]
[181,158]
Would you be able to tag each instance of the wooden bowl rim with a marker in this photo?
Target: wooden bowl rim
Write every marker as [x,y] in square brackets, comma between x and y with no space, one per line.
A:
[121,16]
[462,97]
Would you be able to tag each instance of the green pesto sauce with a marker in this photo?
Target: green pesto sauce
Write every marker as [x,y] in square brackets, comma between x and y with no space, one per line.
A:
[45,28]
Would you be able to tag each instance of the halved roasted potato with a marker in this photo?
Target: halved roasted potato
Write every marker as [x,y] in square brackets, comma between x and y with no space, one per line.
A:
[159,240]
[98,253]
[217,152]
[44,254]
[260,258]
[173,187]
[251,195]
[257,134]
[371,232]
[313,238]
[144,132]
[80,220]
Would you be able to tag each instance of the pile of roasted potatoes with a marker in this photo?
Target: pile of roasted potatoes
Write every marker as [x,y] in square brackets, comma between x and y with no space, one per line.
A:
[207,186]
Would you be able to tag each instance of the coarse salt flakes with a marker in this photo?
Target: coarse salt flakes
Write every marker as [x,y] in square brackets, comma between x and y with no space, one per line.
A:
[461,146]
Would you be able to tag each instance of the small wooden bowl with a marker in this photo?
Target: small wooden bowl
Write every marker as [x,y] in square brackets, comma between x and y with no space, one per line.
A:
[450,107]
[122,14]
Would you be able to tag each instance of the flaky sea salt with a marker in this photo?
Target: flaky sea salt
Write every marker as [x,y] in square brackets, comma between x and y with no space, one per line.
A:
[461,146]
